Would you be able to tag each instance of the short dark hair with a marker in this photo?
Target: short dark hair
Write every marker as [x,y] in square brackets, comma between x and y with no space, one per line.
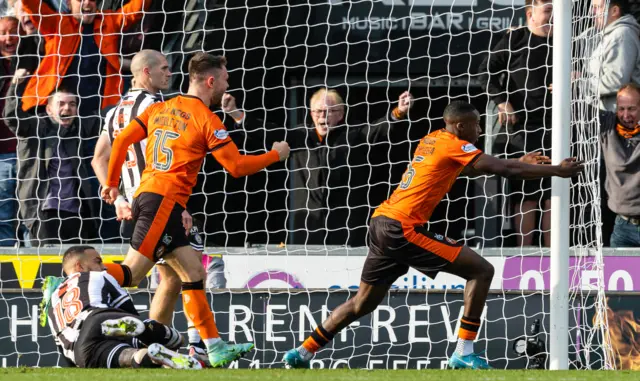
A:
[74,252]
[458,110]
[203,63]
[61,90]
[622,4]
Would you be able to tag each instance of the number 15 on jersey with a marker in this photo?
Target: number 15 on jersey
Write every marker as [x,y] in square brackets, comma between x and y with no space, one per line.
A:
[162,146]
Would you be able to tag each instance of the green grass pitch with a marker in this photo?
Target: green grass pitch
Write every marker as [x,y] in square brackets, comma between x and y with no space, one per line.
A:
[50,374]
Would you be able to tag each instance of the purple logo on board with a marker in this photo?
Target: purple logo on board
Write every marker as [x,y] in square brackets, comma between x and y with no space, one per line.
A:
[531,273]
[268,275]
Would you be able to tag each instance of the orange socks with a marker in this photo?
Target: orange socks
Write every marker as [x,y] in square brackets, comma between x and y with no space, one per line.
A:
[469,328]
[318,339]
[196,307]
[122,273]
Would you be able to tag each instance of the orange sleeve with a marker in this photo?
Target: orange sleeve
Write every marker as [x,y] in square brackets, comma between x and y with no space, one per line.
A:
[131,13]
[42,16]
[133,133]
[143,119]
[243,165]
[215,133]
[463,152]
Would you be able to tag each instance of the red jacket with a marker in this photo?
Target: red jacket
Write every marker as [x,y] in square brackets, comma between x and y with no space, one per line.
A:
[62,40]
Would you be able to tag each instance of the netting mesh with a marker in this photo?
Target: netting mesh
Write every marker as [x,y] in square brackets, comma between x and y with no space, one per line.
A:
[303,224]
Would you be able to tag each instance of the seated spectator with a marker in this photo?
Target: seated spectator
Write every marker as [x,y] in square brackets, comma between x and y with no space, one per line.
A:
[93,70]
[620,139]
[8,201]
[616,60]
[53,188]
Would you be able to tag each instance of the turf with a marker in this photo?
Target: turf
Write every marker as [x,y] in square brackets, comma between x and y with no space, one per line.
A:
[49,374]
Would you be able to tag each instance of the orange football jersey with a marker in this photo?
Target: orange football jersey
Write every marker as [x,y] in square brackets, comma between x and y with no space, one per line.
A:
[436,164]
[180,133]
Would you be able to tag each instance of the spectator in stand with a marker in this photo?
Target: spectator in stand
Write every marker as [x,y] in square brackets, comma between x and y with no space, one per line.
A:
[330,166]
[8,200]
[56,202]
[93,70]
[30,46]
[616,60]
[620,139]
[524,57]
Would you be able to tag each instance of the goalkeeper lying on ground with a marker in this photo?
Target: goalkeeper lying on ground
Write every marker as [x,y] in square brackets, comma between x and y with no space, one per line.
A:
[95,323]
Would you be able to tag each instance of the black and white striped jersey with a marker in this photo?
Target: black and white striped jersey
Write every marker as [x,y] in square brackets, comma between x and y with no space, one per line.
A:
[77,298]
[132,104]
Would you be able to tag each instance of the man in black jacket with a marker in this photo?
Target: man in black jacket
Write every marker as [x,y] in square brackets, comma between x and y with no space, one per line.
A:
[330,198]
[517,76]
[53,168]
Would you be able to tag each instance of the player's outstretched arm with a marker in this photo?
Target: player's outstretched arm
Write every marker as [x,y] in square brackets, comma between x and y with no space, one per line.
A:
[530,158]
[517,169]
[133,133]
[240,165]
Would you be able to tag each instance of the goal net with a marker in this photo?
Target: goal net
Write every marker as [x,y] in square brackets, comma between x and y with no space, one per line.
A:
[285,246]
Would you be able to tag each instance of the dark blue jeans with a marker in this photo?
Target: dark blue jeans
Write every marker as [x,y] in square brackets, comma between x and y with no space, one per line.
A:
[8,200]
[625,234]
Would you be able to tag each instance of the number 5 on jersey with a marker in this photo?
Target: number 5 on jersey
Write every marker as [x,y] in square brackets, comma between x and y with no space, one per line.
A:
[160,146]
[407,177]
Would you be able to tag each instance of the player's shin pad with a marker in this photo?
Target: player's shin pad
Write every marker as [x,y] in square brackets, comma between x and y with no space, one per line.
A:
[159,333]
[196,306]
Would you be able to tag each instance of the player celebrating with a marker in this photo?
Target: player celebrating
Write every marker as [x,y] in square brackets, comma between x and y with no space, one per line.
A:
[180,133]
[398,239]
[151,74]
[95,323]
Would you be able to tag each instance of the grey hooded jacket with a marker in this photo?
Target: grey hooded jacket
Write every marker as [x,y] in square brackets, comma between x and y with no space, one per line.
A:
[616,60]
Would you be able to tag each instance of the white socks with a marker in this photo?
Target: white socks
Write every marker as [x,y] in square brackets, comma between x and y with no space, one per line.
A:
[464,347]
[305,354]
[194,335]
[213,343]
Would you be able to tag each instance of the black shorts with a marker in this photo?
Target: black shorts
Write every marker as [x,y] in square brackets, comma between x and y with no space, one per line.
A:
[394,247]
[94,350]
[157,225]
[195,237]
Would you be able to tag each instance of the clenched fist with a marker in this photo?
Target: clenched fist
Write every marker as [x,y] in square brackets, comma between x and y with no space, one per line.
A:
[283,150]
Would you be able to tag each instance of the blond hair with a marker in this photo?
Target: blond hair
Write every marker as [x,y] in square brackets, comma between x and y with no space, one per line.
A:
[325,93]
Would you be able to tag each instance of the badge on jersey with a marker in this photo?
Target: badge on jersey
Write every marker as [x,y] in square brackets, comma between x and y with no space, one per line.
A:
[469,148]
[221,134]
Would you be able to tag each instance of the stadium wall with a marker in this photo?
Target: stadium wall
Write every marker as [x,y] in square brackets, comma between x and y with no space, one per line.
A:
[411,329]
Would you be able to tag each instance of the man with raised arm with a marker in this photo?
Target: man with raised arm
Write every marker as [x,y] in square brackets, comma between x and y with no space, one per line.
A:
[82,52]
[179,133]
[151,75]
[398,238]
